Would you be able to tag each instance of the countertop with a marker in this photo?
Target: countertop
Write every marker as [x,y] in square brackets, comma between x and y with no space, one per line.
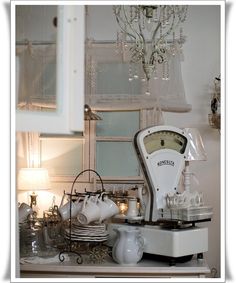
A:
[145,268]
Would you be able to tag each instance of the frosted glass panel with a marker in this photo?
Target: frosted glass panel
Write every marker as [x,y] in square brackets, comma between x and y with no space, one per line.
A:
[116,159]
[113,79]
[118,123]
[36,60]
[62,157]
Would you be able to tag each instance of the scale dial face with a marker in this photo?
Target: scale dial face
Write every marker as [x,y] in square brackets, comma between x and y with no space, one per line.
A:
[165,140]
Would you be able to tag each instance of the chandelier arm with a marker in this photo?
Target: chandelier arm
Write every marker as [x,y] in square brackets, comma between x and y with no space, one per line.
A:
[155,31]
[161,57]
[120,20]
[130,26]
[137,51]
[169,30]
[153,43]
[173,25]
[123,29]
[157,28]
[143,41]
[122,23]
[158,51]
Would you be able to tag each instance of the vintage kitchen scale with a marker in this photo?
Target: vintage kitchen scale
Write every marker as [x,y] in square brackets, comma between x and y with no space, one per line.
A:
[169,228]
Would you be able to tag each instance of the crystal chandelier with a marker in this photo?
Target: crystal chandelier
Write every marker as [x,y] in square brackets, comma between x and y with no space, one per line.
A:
[148,28]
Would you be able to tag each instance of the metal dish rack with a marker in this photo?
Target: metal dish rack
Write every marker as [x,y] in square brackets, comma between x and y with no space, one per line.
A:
[96,251]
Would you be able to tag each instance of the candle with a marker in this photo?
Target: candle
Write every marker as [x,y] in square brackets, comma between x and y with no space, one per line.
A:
[123,207]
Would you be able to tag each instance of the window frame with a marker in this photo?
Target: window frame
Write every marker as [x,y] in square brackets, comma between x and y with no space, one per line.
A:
[85,152]
[146,118]
[142,124]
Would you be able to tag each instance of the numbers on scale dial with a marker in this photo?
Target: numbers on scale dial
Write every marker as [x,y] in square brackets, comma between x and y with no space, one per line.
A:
[165,140]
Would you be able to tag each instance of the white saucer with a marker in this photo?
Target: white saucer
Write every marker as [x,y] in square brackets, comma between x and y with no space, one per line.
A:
[122,216]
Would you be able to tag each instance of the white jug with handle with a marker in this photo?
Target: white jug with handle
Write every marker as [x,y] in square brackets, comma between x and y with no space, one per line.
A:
[129,246]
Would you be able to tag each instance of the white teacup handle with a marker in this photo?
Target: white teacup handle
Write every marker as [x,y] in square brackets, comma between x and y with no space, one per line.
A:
[77,201]
[103,196]
[100,200]
[96,198]
[84,202]
[62,200]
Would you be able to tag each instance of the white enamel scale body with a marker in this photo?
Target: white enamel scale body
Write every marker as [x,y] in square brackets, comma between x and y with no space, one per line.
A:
[162,152]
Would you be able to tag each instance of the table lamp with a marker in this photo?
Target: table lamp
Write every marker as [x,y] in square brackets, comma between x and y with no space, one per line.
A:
[33,179]
[196,153]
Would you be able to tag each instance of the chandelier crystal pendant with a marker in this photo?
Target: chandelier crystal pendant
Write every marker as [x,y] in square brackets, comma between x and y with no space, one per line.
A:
[148,29]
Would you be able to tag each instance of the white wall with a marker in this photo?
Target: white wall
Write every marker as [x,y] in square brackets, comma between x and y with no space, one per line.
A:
[200,67]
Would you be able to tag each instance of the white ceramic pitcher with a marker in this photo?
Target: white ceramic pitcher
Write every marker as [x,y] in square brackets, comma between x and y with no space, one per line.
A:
[128,247]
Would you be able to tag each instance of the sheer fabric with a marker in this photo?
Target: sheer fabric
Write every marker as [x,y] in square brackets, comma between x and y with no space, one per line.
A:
[104,60]
[36,76]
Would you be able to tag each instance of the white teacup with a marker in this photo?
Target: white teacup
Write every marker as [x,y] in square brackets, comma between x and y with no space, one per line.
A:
[23,211]
[196,199]
[64,210]
[104,209]
[111,208]
[90,211]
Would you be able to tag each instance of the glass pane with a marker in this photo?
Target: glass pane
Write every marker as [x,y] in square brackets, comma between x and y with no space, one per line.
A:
[115,78]
[124,124]
[116,159]
[62,157]
[36,33]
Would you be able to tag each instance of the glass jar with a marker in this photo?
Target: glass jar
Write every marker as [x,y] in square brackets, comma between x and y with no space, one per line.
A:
[31,239]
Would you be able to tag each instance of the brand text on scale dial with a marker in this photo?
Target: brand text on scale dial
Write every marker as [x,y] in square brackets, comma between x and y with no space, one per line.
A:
[166,162]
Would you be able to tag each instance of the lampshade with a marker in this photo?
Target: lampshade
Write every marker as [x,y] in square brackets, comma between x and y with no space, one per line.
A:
[196,148]
[33,179]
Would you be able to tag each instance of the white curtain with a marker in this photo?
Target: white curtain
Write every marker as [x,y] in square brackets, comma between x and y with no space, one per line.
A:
[168,87]
[104,63]
[36,76]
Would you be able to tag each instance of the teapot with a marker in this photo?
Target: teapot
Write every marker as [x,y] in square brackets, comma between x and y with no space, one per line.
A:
[129,246]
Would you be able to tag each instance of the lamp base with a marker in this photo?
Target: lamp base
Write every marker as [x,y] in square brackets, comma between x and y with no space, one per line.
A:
[33,200]
[33,205]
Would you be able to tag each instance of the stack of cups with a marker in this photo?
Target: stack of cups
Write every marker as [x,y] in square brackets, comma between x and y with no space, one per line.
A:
[185,200]
[97,209]
[91,209]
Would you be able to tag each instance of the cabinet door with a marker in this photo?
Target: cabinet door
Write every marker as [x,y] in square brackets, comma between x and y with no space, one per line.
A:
[68,113]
